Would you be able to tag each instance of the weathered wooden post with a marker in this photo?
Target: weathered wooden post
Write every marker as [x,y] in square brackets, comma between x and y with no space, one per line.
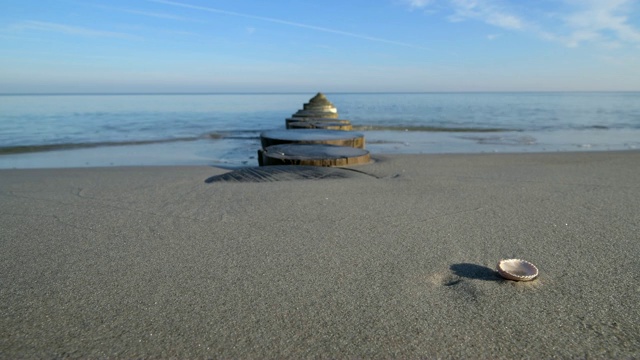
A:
[316,137]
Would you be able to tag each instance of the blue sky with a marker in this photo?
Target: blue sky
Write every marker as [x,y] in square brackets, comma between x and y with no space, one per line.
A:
[332,46]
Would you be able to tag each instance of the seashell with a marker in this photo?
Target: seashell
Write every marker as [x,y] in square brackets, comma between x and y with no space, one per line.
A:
[518,270]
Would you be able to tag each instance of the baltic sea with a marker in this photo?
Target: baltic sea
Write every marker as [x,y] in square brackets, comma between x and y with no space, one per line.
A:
[44,131]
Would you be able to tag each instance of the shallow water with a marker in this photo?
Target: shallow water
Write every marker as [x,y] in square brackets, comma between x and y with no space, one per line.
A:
[223,129]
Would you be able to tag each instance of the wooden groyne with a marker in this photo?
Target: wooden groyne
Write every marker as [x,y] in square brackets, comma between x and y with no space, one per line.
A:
[314,136]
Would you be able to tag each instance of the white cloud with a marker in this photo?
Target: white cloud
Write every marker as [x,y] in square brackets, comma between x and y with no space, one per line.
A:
[486,11]
[602,21]
[417,4]
[605,22]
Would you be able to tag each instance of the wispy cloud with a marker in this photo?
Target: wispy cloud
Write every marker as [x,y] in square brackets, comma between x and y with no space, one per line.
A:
[486,11]
[289,23]
[152,14]
[605,22]
[418,4]
[67,29]
[156,15]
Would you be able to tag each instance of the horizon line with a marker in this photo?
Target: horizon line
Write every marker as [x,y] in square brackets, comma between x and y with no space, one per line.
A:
[309,92]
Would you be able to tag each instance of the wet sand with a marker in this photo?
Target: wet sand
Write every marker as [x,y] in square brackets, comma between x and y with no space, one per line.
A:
[394,259]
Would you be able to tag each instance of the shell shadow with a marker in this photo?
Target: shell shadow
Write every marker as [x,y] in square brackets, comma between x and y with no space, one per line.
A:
[473,271]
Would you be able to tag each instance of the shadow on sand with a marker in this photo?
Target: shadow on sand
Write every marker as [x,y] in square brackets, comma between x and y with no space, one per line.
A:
[473,271]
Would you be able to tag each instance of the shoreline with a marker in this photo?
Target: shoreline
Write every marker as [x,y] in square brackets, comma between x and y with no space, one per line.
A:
[233,153]
[395,259]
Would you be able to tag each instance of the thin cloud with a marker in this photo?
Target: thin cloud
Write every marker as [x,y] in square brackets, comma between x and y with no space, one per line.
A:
[418,4]
[288,23]
[602,21]
[487,12]
[155,15]
[68,29]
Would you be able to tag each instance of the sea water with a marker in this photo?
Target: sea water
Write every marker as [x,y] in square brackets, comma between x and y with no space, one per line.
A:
[39,131]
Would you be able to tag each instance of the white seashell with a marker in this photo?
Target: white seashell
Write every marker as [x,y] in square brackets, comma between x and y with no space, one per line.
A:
[516,269]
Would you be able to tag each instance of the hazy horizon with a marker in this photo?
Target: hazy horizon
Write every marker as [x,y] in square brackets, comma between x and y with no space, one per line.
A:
[315,91]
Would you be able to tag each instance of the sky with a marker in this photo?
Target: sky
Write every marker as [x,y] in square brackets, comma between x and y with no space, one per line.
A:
[173,46]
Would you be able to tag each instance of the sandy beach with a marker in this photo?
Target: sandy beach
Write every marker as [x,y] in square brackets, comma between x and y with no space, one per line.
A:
[393,259]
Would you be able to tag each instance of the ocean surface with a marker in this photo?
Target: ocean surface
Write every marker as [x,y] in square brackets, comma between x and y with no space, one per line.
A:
[44,131]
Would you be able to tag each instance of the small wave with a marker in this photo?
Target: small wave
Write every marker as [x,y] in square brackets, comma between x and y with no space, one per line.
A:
[23,149]
[430,128]
[384,142]
[502,140]
[234,135]
[216,135]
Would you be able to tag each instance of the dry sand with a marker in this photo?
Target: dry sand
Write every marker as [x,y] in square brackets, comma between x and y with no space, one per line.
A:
[394,261]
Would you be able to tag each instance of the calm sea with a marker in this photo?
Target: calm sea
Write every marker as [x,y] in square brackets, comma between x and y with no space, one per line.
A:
[223,129]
